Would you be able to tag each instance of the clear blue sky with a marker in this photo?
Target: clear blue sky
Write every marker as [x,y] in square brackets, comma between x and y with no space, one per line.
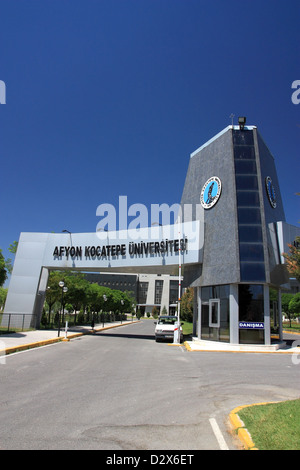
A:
[109,97]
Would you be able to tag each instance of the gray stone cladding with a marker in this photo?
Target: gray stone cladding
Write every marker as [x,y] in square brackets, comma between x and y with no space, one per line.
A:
[221,257]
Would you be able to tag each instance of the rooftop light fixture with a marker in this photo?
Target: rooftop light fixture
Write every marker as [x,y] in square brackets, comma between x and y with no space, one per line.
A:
[242,122]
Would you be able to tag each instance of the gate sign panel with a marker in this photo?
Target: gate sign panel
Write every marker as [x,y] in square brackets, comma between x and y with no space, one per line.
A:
[150,250]
[251,325]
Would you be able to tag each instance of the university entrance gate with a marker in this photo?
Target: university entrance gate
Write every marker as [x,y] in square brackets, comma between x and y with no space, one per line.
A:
[146,250]
[231,241]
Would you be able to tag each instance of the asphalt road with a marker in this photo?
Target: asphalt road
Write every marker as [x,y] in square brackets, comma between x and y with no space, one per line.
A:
[120,390]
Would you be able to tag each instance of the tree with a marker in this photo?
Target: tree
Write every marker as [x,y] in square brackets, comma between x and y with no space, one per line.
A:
[94,298]
[77,291]
[285,301]
[53,292]
[3,294]
[8,262]
[294,305]
[164,311]
[155,312]
[293,259]
[138,314]
[3,272]
[6,265]
[82,295]
[121,301]
[187,305]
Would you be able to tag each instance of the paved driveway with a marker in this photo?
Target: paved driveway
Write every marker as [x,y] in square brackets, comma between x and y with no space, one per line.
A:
[120,390]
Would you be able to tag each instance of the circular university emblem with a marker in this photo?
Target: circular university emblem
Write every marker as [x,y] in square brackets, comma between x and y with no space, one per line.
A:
[271,192]
[210,192]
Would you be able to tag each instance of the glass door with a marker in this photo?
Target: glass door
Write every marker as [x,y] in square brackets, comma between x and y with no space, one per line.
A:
[214,313]
[214,319]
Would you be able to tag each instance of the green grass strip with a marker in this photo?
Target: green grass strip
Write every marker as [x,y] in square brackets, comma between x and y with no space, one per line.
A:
[274,426]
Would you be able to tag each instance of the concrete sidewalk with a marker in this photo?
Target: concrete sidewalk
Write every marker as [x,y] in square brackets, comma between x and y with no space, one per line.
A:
[13,342]
[279,348]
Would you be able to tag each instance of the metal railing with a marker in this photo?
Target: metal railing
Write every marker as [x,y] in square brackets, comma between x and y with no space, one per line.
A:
[9,322]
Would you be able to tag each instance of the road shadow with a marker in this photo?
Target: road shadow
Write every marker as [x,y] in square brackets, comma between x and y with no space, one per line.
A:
[138,336]
[124,335]
[12,334]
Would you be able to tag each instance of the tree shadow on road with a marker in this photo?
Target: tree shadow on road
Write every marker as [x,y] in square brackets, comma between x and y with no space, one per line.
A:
[125,335]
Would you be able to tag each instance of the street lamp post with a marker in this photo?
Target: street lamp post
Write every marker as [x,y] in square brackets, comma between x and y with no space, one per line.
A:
[64,289]
[105,299]
[122,303]
[49,303]
[177,327]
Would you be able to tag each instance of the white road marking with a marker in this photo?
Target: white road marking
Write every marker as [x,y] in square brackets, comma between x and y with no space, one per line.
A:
[218,434]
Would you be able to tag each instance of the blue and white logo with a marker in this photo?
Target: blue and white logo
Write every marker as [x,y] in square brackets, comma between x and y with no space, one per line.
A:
[211,192]
[271,192]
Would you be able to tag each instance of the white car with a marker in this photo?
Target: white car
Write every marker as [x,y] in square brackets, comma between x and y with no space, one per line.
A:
[165,326]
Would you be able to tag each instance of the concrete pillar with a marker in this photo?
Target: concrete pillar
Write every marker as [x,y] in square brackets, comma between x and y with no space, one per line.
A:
[199,312]
[267,315]
[195,310]
[150,292]
[165,296]
[280,315]
[234,313]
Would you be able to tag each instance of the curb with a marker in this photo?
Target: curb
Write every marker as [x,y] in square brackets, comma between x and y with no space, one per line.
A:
[46,342]
[291,332]
[187,346]
[37,344]
[239,427]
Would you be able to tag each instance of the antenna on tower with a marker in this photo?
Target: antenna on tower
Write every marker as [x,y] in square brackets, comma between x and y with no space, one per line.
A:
[231,117]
